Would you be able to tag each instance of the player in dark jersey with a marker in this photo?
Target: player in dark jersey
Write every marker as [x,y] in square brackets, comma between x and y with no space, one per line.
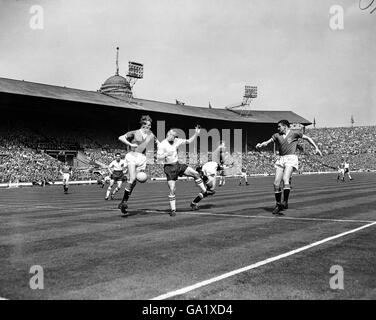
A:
[137,140]
[286,141]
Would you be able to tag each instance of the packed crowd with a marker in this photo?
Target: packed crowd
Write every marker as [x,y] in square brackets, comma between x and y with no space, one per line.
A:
[20,162]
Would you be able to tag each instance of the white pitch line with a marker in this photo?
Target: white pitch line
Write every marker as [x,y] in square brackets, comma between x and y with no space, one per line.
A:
[256,265]
[274,217]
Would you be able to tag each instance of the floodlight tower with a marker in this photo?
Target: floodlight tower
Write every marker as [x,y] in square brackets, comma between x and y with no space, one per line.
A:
[250,92]
[135,72]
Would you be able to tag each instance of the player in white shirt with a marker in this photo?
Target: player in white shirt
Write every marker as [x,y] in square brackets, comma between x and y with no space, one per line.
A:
[346,167]
[117,169]
[208,173]
[168,152]
[341,173]
[243,175]
[222,176]
[66,172]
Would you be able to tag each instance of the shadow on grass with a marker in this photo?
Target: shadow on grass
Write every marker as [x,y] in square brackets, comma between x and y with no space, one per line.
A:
[145,212]
[207,206]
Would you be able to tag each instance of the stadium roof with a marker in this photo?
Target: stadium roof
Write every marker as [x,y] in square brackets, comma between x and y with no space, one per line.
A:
[33,89]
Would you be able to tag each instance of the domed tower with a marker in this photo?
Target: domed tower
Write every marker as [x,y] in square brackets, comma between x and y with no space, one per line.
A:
[116,85]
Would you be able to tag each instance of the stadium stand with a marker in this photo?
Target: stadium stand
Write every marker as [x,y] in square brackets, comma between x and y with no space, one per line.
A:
[42,125]
[20,161]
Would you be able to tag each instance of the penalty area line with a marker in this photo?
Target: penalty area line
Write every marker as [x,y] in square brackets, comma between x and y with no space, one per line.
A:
[274,217]
[256,265]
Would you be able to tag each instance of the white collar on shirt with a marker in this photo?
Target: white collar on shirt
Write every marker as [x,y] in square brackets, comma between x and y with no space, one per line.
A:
[285,135]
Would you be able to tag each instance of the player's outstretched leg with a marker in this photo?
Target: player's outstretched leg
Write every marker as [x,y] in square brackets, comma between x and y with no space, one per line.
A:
[115,191]
[194,203]
[108,192]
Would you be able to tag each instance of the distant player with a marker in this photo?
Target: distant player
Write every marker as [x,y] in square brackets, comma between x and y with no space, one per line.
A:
[243,175]
[102,177]
[346,167]
[341,172]
[168,152]
[222,176]
[137,140]
[286,141]
[117,169]
[66,172]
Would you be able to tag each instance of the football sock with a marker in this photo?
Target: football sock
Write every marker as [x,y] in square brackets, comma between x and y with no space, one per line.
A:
[277,194]
[286,193]
[200,184]
[200,197]
[172,200]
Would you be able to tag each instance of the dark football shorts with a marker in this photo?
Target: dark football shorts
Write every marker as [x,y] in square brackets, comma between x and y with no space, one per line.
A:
[117,176]
[346,170]
[175,170]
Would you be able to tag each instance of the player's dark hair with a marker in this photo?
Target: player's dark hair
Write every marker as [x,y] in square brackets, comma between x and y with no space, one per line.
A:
[117,154]
[284,122]
[144,119]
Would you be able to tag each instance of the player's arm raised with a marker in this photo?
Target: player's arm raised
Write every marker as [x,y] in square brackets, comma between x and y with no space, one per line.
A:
[312,143]
[264,144]
[197,132]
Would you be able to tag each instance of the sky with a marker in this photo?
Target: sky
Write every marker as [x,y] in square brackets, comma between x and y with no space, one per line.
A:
[201,51]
